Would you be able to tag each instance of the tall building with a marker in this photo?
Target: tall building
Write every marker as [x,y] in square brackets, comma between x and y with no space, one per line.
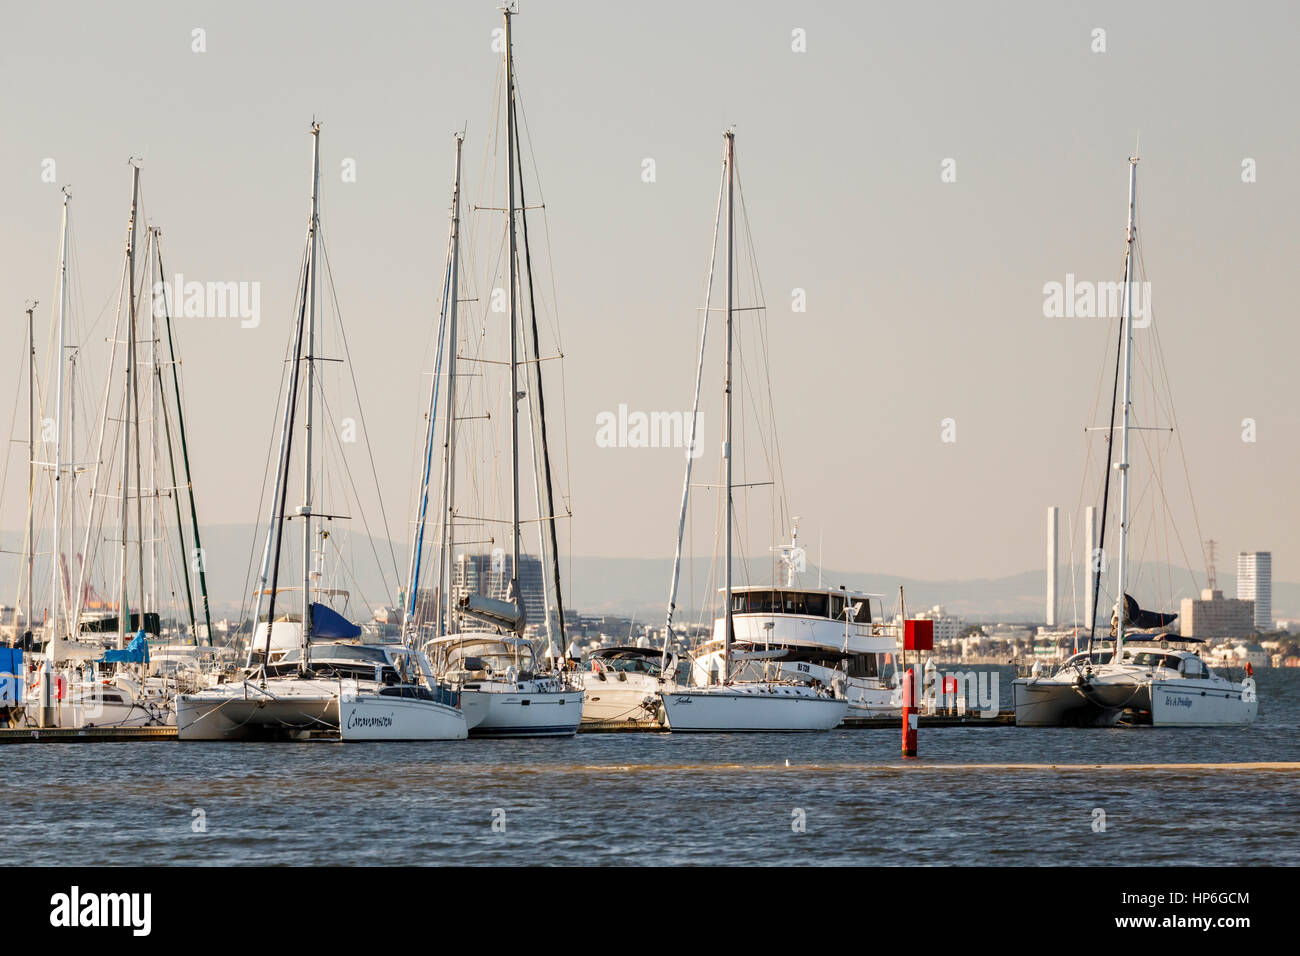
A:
[1213,615]
[1052,589]
[1090,562]
[489,575]
[1255,583]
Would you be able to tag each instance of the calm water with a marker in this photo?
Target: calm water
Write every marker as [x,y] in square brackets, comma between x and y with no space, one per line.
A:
[664,799]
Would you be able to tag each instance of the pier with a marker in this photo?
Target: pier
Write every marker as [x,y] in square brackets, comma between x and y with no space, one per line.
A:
[68,735]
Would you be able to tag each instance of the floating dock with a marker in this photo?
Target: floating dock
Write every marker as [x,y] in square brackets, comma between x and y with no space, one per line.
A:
[72,735]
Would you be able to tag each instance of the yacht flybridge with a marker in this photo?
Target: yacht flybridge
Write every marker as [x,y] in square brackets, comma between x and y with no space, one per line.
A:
[1138,676]
[311,676]
[747,690]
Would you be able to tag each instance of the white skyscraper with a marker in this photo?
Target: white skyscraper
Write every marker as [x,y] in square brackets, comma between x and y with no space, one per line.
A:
[1052,561]
[1255,583]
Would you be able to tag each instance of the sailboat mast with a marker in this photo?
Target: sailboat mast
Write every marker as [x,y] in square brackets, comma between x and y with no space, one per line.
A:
[514,320]
[1121,597]
[695,417]
[726,446]
[449,425]
[305,509]
[31,469]
[58,419]
[126,412]
[430,417]
[171,458]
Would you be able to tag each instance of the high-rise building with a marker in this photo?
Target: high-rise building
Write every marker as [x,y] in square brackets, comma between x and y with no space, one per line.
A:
[1052,561]
[489,575]
[1213,615]
[1255,583]
[1091,562]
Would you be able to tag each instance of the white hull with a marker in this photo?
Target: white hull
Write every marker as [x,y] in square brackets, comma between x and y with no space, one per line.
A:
[869,698]
[636,697]
[1049,702]
[494,711]
[287,709]
[379,717]
[1197,704]
[746,711]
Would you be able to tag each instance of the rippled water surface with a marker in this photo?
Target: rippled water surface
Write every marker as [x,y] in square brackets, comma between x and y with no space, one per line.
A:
[665,799]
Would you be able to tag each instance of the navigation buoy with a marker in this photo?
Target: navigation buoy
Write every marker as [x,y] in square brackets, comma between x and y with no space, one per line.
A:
[909,712]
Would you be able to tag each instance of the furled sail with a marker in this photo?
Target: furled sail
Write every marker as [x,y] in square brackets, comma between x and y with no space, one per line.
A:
[505,614]
[1137,619]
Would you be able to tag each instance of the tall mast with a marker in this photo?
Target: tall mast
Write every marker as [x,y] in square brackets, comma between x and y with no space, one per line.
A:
[695,414]
[726,447]
[1128,403]
[268,581]
[154,485]
[185,457]
[514,321]
[549,543]
[58,419]
[431,414]
[122,605]
[443,623]
[31,469]
[310,357]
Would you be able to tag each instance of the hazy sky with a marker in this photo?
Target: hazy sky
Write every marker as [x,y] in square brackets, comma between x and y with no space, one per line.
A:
[924,297]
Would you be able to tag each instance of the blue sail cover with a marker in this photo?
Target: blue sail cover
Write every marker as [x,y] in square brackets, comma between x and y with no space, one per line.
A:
[12,676]
[329,624]
[137,652]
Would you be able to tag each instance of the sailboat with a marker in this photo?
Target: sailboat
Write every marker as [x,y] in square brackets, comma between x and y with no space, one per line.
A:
[1140,676]
[734,703]
[478,643]
[312,677]
[85,679]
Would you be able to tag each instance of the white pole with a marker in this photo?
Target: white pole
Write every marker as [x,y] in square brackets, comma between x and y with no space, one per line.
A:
[726,447]
[57,551]
[1128,400]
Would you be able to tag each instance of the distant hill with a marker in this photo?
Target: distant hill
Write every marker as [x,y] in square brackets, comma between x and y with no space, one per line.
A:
[639,586]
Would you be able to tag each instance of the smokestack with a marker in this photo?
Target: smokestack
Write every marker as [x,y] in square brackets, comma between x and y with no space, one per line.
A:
[1052,513]
[1089,563]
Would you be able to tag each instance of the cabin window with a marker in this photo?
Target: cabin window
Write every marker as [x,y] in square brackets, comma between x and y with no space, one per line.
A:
[862,610]
[817,604]
[837,607]
[863,665]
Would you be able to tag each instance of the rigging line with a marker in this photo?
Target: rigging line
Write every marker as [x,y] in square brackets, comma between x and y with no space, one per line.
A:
[1110,450]
[1173,417]
[343,335]
[281,388]
[342,461]
[541,402]
[89,555]
[757,280]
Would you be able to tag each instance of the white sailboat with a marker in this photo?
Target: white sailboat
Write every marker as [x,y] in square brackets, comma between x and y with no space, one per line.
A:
[312,677]
[736,703]
[477,641]
[1140,676]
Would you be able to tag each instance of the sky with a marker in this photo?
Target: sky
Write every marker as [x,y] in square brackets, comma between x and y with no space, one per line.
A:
[920,171]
